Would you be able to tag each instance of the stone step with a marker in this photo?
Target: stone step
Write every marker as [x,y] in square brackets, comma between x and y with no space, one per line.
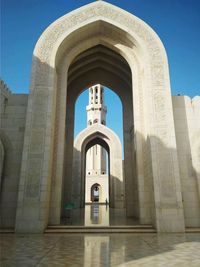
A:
[145,226]
[7,231]
[192,230]
[101,229]
[97,230]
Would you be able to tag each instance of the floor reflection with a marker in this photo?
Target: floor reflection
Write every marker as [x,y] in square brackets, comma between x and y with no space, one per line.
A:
[97,215]
[96,251]
[100,250]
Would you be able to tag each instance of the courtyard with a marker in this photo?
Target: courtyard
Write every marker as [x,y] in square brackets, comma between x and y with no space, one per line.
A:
[93,250]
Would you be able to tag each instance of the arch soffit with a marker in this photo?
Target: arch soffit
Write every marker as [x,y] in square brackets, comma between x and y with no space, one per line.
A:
[101,56]
[140,33]
[101,65]
[126,53]
[98,131]
[64,60]
[84,73]
[106,78]
[97,140]
[135,68]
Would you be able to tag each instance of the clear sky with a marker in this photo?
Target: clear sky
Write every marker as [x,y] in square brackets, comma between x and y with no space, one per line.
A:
[177,22]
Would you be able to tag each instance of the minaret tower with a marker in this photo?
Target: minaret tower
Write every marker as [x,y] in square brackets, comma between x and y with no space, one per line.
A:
[96,114]
[96,110]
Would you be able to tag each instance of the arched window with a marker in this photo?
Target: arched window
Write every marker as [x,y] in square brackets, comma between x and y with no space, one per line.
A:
[95,121]
[95,192]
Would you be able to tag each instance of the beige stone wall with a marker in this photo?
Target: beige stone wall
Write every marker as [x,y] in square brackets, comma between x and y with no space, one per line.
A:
[187,127]
[103,181]
[13,112]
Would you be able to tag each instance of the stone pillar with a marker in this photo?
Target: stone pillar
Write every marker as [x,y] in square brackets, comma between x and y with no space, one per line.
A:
[169,215]
[35,180]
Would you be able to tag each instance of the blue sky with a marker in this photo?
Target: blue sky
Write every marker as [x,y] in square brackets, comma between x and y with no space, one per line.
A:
[177,22]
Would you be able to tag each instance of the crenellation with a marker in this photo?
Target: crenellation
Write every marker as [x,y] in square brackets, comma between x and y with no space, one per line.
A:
[4,88]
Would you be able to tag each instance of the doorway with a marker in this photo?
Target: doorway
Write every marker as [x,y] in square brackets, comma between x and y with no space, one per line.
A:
[95,193]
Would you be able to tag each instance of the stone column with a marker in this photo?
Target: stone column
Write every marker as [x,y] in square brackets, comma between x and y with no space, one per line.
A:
[35,180]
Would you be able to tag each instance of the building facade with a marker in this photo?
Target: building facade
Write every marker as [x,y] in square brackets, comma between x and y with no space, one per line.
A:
[41,168]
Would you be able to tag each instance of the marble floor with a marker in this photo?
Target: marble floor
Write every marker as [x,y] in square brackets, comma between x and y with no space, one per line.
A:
[92,250]
[97,215]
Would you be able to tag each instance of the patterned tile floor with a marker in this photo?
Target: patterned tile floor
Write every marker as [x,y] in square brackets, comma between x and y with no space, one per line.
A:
[92,250]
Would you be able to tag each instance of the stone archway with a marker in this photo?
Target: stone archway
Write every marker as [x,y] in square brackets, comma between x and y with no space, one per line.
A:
[114,73]
[95,188]
[104,136]
[158,181]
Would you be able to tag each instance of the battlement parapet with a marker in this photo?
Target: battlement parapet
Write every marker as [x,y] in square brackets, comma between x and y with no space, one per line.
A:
[4,89]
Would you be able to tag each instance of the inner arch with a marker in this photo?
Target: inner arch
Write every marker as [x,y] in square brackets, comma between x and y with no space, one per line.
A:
[97,141]
[99,32]
[97,65]
[105,66]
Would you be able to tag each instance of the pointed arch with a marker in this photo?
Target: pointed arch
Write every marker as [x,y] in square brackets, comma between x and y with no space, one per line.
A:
[99,23]
[95,187]
[102,135]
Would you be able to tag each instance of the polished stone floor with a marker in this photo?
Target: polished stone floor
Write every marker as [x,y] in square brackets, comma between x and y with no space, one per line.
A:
[92,250]
[97,215]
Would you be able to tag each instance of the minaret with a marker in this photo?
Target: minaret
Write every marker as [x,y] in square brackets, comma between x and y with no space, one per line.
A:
[96,114]
[96,110]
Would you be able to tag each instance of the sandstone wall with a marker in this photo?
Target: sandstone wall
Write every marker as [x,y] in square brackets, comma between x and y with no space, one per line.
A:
[12,125]
[187,128]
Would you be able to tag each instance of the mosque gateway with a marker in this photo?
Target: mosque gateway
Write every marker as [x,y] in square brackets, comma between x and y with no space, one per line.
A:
[49,177]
